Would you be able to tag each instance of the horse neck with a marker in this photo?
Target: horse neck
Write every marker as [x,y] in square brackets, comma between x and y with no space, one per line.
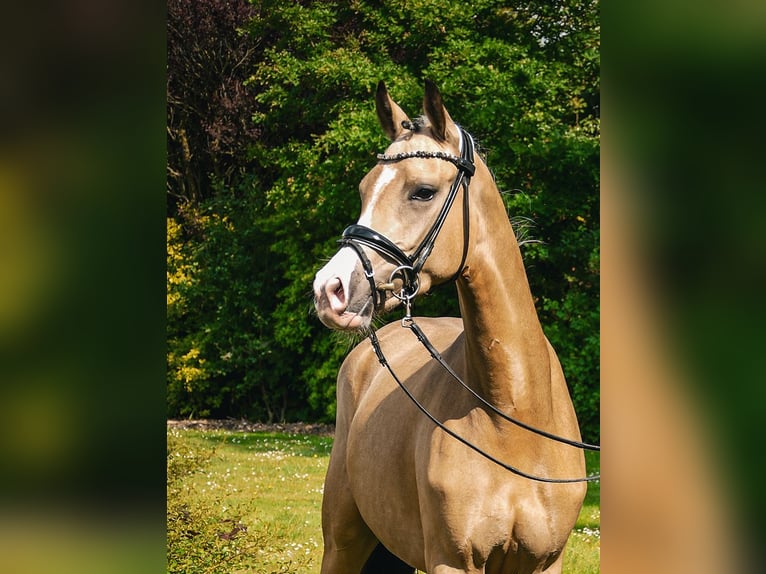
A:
[506,351]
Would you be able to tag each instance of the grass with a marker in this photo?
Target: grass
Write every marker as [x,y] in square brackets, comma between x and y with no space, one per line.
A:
[583,552]
[249,502]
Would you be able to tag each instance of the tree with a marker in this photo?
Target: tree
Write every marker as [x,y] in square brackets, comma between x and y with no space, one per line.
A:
[209,106]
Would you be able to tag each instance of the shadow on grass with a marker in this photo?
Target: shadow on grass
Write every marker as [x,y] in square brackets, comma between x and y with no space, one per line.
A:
[286,443]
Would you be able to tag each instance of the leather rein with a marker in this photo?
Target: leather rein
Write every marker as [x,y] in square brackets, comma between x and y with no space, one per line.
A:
[408,269]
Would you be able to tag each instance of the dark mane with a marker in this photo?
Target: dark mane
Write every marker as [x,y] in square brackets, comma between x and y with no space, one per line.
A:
[415,125]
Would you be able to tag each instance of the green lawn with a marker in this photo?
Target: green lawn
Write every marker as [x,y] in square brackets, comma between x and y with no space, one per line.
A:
[250,502]
[584,548]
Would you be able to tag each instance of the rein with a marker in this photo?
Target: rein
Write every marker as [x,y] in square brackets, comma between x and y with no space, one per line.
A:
[409,267]
[418,333]
[409,322]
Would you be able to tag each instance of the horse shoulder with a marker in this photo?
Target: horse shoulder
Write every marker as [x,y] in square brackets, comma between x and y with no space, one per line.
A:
[565,416]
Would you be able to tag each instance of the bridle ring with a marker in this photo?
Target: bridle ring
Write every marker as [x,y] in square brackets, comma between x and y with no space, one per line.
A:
[403,295]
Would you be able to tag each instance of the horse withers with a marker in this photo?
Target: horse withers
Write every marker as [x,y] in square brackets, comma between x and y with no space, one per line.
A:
[401,493]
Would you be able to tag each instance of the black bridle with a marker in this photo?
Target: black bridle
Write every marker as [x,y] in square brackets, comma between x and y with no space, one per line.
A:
[409,267]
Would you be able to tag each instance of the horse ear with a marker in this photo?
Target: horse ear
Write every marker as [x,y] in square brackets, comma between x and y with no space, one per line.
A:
[436,113]
[390,114]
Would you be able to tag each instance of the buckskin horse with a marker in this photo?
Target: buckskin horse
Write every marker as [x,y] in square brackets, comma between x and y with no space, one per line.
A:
[441,477]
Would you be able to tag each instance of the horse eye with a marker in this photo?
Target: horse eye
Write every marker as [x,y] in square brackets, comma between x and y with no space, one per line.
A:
[423,194]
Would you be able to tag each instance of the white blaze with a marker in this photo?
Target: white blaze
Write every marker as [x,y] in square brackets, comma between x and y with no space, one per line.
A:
[341,266]
[386,176]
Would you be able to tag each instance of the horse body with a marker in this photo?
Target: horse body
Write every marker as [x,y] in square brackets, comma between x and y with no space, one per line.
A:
[396,479]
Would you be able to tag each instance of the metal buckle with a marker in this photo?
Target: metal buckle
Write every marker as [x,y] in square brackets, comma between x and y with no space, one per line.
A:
[405,294]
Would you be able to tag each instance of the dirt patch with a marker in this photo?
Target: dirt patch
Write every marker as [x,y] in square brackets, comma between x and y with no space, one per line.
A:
[247,426]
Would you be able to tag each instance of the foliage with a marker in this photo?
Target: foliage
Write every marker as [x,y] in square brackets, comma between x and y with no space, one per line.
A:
[242,252]
[209,107]
[225,356]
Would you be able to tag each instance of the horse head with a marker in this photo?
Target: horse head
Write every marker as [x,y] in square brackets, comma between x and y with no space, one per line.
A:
[408,237]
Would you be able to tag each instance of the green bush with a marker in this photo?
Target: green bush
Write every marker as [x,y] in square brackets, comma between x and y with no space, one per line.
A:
[524,81]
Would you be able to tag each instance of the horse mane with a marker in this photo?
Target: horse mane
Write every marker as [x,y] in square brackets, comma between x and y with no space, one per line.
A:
[521,226]
[416,125]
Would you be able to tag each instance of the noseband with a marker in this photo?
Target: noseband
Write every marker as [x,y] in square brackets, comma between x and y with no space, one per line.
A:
[409,266]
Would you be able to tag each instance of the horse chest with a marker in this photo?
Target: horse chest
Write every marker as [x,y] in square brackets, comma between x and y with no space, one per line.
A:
[403,486]
[477,503]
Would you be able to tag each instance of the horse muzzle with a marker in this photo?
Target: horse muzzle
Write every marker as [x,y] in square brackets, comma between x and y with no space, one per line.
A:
[341,294]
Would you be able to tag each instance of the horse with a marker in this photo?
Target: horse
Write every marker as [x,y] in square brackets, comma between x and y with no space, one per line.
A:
[400,492]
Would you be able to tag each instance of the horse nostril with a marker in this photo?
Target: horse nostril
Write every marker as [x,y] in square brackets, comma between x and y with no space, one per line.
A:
[336,295]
